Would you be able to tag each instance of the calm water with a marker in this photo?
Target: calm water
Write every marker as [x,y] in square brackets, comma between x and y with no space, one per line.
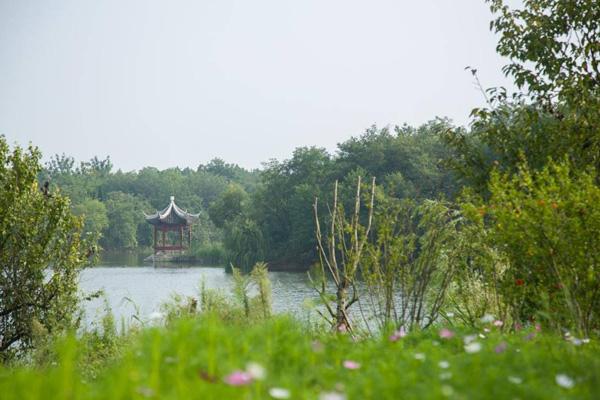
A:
[148,286]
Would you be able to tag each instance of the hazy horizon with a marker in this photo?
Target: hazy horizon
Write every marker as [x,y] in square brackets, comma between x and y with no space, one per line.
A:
[180,83]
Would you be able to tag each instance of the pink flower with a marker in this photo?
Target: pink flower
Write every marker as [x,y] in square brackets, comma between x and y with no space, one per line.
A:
[238,378]
[397,335]
[446,333]
[501,348]
[498,323]
[349,364]
[518,326]
[538,327]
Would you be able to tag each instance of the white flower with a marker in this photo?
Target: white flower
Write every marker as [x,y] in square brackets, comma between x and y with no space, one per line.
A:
[473,347]
[419,356]
[469,338]
[576,342]
[444,364]
[256,371]
[279,393]
[515,379]
[332,396]
[450,314]
[487,318]
[445,375]
[565,381]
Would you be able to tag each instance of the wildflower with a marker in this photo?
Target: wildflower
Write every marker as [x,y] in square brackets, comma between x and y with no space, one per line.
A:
[576,342]
[445,375]
[349,364]
[279,393]
[498,323]
[473,347]
[530,336]
[469,338]
[332,396]
[419,356]
[519,282]
[538,328]
[256,371]
[565,381]
[515,380]
[518,326]
[487,318]
[449,314]
[487,330]
[446,333]
[443,364]
[501,348]
[397,335]
[481,335]
[586,340]
[238,378]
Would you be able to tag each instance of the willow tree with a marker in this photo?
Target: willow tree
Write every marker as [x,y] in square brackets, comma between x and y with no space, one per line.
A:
[41,252]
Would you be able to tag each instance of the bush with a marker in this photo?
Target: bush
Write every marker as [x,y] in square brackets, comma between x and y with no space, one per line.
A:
[547,224]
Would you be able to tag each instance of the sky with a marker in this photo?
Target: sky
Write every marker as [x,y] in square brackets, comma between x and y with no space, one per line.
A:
[177,83]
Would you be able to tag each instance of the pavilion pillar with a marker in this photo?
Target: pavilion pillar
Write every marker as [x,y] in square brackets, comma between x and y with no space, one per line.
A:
[154,239]
[181,237]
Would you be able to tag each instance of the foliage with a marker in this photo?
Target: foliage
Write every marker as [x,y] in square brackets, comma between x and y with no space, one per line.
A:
[94,214]
[112,202]
[340,255]
[192,358]
[412,262]
[553,52]
[41,252]
[548,225]
[242,305]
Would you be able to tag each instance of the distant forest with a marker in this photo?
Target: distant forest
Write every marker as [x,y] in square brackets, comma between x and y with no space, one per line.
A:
[263,214]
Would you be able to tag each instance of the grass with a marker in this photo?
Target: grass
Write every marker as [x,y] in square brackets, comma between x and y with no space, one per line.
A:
[190,358]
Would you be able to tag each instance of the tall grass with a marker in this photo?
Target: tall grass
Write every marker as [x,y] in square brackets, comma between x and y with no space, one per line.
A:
[191,358]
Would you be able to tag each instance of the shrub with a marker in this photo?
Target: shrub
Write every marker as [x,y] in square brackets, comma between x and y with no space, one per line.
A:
[547,224]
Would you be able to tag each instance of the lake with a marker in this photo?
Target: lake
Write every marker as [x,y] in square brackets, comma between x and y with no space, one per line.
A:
[147,286]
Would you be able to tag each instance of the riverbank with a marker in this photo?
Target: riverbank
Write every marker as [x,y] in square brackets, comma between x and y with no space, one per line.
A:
[208,358]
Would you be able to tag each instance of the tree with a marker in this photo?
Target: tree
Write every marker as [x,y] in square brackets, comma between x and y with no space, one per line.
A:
[94,215]
[553,47]
[41,252]
[125,215]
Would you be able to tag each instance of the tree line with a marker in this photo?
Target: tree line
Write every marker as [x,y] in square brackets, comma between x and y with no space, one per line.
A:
[263,214]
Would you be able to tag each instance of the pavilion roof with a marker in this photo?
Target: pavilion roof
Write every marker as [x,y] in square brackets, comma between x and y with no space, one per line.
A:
[172,215]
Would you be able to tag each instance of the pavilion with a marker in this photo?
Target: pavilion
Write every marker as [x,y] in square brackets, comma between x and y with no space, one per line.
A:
[172,219]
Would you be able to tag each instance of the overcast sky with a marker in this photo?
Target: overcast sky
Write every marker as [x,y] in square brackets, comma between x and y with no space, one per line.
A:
[176,83]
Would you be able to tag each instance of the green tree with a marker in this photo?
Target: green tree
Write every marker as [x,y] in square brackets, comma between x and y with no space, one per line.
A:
[41,253]
[231,204]
[553,48]
[94,215]
[125,214]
